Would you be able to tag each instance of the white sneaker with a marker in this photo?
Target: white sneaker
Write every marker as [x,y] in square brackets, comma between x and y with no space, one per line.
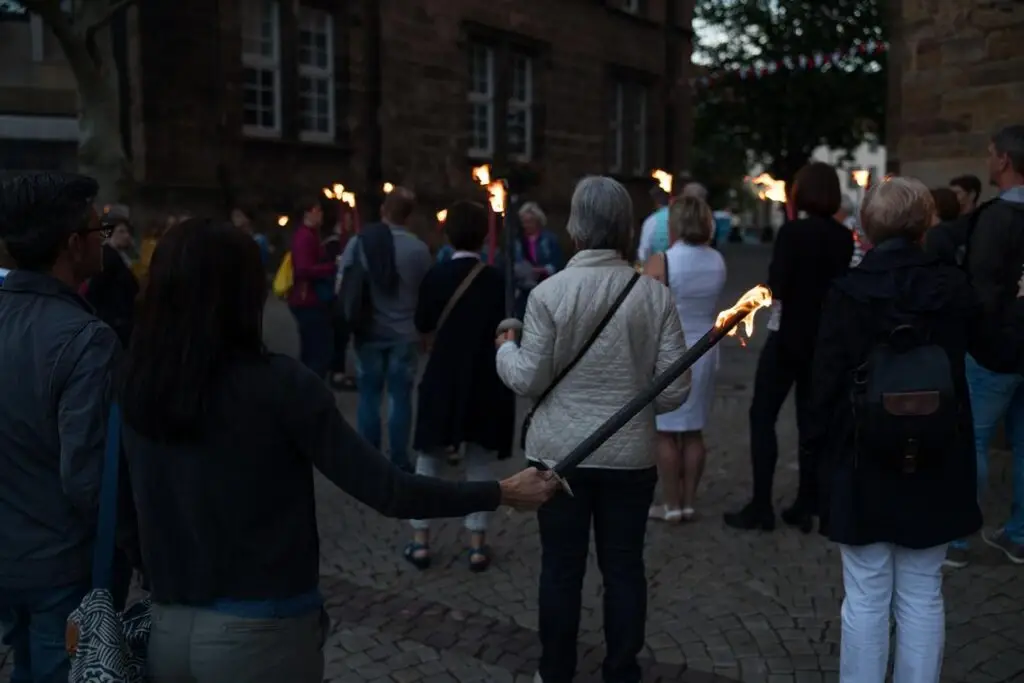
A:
[537,678]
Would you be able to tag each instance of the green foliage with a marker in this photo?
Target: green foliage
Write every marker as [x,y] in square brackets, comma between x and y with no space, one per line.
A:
[780,118]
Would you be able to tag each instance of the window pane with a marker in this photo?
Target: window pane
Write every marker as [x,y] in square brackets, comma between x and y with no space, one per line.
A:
[516,129]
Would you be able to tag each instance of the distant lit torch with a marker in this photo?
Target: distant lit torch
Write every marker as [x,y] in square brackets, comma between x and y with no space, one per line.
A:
[496,194]
[664,179]
[727,324]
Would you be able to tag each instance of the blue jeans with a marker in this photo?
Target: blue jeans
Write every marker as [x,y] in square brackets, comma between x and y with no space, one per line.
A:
[395,365]
[34,623]
[316,337]
[993,396]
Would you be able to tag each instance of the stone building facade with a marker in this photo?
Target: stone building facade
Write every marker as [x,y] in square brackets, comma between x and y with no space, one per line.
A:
[260,100]
[956,76]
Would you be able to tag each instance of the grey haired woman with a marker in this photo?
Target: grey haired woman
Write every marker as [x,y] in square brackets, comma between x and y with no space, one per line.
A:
[594,335]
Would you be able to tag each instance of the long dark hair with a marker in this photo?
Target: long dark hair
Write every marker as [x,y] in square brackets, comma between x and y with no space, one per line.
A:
[203,309]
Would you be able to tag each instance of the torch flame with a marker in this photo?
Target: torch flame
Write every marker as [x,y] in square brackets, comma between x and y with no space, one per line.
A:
[664,179]
[348,198]
[388,188]
[769,188]
[338,189]
[752,301]
[495,188]
[482,174]
[862,178]
[329,193]
[442,215]
[282,221]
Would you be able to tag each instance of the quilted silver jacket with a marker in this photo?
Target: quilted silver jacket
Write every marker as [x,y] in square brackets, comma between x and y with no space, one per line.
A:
[642,339]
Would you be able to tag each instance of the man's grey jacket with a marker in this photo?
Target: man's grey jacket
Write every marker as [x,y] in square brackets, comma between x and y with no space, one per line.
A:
[56,360]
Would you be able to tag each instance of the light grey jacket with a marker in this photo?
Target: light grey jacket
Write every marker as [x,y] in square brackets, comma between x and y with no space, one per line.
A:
[642,339]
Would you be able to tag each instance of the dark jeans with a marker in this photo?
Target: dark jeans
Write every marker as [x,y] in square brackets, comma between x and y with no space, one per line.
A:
[775,376]
[34,623]
[316,337]
[341,338]
[617,502]
[392,365]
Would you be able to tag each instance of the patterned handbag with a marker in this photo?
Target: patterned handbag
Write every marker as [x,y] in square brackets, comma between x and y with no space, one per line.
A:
[106,646]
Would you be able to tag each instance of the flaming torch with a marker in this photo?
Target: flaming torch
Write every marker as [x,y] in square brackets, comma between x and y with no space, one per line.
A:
[388,188]
[496,196]
[742,312]
[664,179]
[348,199]
[442,216]
[282,221]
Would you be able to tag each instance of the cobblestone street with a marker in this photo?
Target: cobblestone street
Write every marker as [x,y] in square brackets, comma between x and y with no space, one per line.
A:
[724,605]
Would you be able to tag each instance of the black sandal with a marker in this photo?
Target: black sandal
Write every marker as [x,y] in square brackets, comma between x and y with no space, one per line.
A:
[480,565]
[421,562]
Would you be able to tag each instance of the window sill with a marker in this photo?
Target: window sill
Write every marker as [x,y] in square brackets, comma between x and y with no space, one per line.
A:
[261,133]
[318,138]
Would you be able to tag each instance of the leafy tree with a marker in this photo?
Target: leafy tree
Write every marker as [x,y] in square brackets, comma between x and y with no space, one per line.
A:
[81,27]
[780,117]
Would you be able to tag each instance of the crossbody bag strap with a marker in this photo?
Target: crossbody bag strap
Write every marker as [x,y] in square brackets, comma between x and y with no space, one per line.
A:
[103,552]
[590,342]
[454,299]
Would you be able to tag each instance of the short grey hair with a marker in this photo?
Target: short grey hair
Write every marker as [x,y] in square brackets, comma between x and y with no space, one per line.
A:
[533,209]
[601,215]
[898,207]
[695,190]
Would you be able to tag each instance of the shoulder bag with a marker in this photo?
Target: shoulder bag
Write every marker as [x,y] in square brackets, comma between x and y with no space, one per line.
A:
[579,356]
[454,299]
[105,645]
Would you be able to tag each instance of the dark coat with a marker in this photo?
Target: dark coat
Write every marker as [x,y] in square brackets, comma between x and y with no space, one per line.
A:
[461,397]
[112,292]
[808,254]
[864,501]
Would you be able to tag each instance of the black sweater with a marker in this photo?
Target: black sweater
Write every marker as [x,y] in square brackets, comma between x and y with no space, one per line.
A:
[234,516]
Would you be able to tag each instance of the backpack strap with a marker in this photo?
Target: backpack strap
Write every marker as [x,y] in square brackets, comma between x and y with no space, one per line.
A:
[103,552]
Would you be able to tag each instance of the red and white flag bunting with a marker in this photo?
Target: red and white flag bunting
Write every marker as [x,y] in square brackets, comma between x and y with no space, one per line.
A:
[802,62]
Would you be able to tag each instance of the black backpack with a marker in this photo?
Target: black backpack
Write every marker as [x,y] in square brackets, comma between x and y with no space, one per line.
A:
[904,401]
[354,303]
[950,241]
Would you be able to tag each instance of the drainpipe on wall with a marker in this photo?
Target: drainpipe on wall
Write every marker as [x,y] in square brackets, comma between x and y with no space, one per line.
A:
[370,207]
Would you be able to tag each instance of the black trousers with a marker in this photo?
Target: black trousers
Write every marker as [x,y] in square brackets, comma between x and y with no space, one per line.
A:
[616,503]
[777,373]
[340,346]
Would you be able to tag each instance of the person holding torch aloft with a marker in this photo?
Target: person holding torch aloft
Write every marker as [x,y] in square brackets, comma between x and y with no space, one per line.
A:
[594,335]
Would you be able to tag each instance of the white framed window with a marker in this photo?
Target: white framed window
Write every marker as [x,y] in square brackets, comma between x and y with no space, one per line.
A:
[316,75]
[519,123]
[261,68]
[481,101]
[616,111]
[640,132]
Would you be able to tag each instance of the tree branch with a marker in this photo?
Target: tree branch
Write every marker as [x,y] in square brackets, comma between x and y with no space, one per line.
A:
[115,7]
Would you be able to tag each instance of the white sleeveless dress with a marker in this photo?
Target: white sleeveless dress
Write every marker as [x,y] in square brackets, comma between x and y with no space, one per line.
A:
[696,276]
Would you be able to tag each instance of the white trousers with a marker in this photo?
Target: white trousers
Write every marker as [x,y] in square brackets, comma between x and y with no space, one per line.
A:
[883,579]
[478,462]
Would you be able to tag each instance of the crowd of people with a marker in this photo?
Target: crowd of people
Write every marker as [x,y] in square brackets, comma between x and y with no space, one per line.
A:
[899,324]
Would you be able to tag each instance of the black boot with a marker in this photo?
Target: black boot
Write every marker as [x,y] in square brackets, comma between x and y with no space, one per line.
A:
[751,517]
[800,515]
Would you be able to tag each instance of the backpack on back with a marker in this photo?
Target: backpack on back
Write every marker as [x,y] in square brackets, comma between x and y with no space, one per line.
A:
[904,401]
[354,302]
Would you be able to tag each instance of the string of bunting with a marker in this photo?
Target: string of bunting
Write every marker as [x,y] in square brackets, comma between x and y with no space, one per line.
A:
[804,62]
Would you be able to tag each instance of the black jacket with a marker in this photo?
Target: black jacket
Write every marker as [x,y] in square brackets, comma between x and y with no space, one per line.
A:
[112,292]
[808,254]
[865,502]
[233,516]
[461,397]
[56,360]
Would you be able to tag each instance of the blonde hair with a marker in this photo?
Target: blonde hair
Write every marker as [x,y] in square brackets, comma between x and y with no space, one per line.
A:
[690,220]
[898,207]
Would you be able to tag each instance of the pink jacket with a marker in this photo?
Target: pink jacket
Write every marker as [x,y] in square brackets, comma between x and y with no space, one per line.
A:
[309,264]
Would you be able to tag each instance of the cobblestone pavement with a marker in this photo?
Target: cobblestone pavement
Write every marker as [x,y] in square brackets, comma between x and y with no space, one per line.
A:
[724,606]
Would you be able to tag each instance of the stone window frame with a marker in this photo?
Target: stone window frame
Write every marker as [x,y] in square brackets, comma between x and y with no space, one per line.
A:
[310,19]
[629,124]
[482,98]
[263,63]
